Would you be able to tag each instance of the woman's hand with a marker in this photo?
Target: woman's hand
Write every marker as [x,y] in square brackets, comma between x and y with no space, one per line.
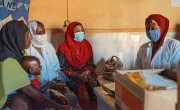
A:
[83,79]
[85,74]
[38,97]
[61,85]
[52,84]
[65,101]
[62,100]
[57,86]
[58,97]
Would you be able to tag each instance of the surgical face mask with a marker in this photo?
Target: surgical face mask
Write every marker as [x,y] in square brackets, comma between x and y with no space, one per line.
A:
[79,36]
[40,39]
[153,35]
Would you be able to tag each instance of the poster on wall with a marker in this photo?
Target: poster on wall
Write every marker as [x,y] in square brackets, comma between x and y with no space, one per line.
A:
[13,10]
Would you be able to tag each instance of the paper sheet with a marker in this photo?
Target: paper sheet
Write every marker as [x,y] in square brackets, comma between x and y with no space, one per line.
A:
[110,86]
[157,80]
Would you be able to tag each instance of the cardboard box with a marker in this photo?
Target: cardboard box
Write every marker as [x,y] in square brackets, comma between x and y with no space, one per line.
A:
[129,96]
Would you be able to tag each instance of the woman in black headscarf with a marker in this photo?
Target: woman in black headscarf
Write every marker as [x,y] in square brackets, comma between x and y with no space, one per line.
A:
[14,39]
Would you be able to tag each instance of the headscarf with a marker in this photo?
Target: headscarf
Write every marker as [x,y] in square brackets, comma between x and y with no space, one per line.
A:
[163,23]
[36,41]
[77,53]
[48,58]
[12,40]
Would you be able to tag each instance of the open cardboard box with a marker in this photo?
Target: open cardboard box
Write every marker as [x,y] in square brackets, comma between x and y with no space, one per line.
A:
[129,96]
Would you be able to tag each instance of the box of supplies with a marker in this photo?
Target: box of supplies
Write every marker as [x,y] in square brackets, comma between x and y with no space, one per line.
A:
[132,96]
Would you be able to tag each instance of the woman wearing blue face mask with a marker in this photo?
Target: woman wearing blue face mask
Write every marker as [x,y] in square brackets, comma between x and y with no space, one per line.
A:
[161,52]
[76,60]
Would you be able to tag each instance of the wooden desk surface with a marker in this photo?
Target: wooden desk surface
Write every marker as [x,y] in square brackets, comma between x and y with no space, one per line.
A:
[102,80]
[108,100]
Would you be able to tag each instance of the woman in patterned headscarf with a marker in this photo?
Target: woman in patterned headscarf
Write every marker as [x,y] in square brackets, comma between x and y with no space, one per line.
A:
[161,52]
[76,60]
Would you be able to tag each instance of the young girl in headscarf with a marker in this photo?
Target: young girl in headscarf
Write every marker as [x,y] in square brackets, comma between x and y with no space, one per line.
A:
[46,53]
[161,52]
[76,60]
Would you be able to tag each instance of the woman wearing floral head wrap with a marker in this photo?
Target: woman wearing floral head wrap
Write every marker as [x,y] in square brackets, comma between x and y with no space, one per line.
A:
[76,60]
[161,52]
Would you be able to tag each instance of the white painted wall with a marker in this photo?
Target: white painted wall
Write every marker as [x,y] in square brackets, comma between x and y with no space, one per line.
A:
[125,45]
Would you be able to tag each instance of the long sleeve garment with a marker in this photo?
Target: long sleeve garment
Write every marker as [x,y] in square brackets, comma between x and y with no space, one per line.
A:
[167,56]
[12,78]
[49,62]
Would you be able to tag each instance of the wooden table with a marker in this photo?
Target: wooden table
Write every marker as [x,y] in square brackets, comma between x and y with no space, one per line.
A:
[104,102]
[102,80]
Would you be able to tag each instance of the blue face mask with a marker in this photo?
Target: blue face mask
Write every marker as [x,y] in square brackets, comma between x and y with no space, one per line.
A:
[153,35]
[79,36]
